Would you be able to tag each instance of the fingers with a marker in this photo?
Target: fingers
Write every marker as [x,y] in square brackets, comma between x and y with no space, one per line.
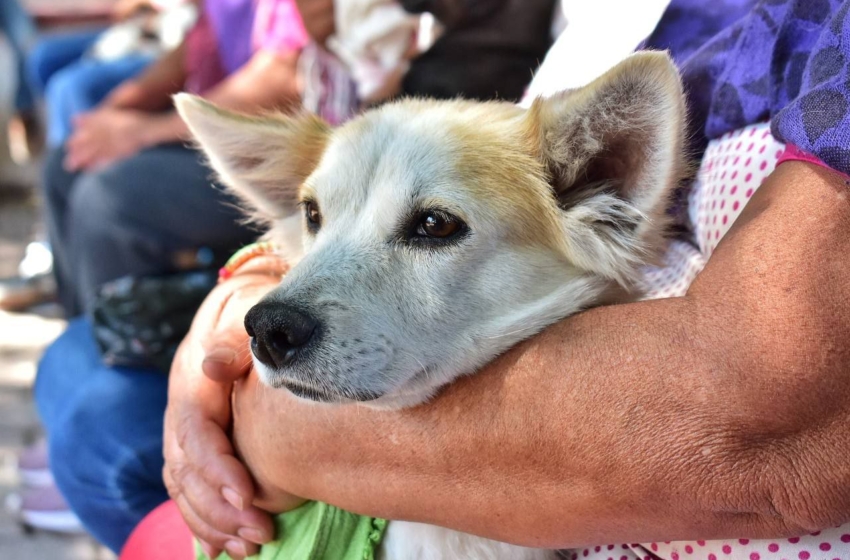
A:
[210,448]
[227,356]
[212,488]
[212,520]
[82,149]
[215,490]
[211,551]
[215,540]
[250,524]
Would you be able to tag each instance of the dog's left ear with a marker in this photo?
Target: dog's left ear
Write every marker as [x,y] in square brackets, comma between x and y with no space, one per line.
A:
[613,151]
[263,160]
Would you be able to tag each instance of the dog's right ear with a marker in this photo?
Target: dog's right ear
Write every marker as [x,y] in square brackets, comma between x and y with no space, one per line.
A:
[264,160]
[613,152]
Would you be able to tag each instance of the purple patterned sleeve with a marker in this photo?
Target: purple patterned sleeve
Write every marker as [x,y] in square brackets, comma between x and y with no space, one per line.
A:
[817,119]
[779,60]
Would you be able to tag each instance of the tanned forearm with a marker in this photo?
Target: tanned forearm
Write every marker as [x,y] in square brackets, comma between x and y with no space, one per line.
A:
[152,90]
[266,82]
[318,18]
[725,413]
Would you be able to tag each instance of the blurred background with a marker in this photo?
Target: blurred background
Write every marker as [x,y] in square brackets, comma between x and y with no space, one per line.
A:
[23,336]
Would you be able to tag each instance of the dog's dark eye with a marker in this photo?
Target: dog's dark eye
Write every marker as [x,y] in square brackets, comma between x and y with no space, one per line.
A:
[435,228]
[438,225]
[314,217]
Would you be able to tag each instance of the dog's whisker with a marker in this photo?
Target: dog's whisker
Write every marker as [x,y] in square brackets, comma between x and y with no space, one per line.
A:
[512,333]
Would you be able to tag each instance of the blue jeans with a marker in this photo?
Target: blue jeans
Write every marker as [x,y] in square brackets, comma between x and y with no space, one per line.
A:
[71,83]
[104,428]
[132,218]
[19,29]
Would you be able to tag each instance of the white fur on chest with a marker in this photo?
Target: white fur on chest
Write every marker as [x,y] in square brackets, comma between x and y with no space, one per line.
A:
[417,541]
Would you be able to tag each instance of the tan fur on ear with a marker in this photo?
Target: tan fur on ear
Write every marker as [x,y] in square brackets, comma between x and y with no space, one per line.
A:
[263,159]
[614,151]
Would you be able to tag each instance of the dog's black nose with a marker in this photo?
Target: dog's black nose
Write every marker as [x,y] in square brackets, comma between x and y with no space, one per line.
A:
[278,331]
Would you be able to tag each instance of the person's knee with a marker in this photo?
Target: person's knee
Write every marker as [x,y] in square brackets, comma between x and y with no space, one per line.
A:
[96,206]
[98,448]
[62,369]
[106,454]
[56,178]
[40,65]
[72,90]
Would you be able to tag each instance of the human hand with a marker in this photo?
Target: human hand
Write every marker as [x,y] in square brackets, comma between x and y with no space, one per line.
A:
[127,95]
[210,485]
[125,9]
[106,135]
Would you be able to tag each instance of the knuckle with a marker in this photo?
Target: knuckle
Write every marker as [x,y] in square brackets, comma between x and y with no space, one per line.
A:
[223,520]
[200,529]
[212,474]
[182,432]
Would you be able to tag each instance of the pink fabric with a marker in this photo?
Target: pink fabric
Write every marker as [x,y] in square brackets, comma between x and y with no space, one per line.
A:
[732,169]
[279,27]
[793,153]
[203,64]
[328,89]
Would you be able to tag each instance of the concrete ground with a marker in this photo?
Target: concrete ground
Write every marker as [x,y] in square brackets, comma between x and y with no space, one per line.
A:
[22,340]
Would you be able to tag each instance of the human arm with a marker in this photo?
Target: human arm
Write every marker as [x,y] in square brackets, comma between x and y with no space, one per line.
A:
[266,81]
[152,90]
[213,344]
[724,413]
[318,18]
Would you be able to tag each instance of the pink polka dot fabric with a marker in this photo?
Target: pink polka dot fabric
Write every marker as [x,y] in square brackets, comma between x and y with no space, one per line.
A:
[732,169]
[833,544]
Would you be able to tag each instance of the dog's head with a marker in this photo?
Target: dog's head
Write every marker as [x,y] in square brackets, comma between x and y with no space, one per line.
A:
[432,236]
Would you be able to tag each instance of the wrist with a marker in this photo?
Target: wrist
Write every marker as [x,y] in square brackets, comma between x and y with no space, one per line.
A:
[256,258]
[163,128]
[126,96]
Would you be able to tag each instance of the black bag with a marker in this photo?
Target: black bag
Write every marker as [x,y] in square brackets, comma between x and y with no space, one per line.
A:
[140,322]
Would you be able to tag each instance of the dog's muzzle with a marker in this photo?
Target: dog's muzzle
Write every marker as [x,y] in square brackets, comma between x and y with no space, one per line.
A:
[280,333]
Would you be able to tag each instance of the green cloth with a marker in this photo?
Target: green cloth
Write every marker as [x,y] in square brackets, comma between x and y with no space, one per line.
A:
[317,531]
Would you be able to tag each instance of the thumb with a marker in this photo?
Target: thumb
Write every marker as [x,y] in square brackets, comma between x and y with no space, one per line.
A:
[227,356]
[81,118]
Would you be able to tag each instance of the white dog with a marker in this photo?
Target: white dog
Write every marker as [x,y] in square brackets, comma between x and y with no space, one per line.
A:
[430,237]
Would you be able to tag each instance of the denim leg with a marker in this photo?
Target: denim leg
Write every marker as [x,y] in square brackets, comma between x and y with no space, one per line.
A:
[104,428]
[56,191]
[80,86]
[19,28]
[132,217]
[54,52]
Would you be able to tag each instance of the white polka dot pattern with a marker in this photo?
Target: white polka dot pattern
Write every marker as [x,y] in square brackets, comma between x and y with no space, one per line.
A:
[732,169]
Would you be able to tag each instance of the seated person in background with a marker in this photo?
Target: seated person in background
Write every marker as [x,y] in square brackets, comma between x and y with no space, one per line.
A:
[76,70]
[18,30]
[479,50]
[124,198]
[125,195]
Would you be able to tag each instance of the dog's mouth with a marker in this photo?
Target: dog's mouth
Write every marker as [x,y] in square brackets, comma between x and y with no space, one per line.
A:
[310,393]
[307,393]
